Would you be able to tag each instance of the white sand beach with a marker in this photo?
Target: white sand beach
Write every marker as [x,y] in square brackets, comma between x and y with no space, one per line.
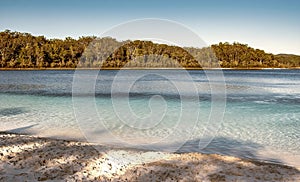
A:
[31,158]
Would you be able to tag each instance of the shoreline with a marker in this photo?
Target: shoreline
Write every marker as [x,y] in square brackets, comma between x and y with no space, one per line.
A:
[141,68]
[37,158]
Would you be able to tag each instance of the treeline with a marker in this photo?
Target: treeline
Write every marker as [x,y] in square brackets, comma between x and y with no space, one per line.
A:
[109,53]
[22,50]
[288,60]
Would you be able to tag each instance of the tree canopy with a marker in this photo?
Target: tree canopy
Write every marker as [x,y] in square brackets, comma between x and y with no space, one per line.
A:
[23,50]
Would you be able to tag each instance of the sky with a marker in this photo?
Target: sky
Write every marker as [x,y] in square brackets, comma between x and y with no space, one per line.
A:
[271,25]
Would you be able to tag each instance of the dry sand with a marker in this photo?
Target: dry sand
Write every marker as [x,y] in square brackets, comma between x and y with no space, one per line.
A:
[24,157]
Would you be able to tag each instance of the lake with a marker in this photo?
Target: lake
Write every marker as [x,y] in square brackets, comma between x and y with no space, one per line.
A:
[168,110]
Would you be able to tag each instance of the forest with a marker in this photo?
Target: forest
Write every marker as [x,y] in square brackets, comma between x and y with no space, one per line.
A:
[23,50]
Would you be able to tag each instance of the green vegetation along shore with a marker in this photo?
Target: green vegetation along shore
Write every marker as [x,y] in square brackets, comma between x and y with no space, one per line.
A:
[25,51]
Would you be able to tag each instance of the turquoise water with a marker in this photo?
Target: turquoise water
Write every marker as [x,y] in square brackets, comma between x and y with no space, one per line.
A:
[261,118]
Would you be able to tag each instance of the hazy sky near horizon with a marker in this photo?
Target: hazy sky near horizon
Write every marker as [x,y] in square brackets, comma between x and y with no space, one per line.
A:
[271,25]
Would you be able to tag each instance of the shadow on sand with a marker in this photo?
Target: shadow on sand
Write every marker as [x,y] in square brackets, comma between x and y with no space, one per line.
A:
[44,159]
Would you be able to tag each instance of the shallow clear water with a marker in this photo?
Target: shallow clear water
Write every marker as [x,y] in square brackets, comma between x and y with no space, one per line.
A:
[261,120]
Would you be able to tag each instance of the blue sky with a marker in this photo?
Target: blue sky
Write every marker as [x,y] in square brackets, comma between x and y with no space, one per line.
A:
[271,25]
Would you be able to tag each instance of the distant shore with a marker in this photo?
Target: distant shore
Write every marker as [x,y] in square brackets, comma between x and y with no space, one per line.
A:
[25,157]
[141,68]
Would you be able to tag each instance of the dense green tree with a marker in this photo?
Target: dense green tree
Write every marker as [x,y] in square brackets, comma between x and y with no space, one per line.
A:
[22,50]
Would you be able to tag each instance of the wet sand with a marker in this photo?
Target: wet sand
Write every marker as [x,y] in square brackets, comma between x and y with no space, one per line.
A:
[25,157]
